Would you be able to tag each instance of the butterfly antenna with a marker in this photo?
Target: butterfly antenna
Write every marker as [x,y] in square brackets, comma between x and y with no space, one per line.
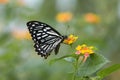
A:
[67,30]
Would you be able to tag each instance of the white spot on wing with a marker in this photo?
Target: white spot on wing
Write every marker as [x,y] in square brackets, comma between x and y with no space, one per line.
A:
[33,35]
[53,33]
[34,31]
[34,39]
[42,40]
[38,37]
[39,49]
[40,31]
[47,28]
[45,35]
[38,34]
[37,46]
[36,22]
[42,46]
[44,30]
[42,24]
[42,52]
[30,23]
[46,47]
[31,28]
[33,24]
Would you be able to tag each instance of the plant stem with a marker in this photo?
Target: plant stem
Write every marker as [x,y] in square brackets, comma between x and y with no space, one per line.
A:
[76,70]
[76,65]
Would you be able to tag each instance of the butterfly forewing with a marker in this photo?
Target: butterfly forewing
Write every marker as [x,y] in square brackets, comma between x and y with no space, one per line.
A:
[45,37]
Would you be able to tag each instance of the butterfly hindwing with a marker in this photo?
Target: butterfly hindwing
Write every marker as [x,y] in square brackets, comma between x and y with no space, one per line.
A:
[45,37]
[45,49]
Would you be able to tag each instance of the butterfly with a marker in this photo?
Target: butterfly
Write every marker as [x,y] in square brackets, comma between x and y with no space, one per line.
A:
[46,39]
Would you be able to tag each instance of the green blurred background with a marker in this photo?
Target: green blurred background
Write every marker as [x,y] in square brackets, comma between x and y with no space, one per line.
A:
[19,61]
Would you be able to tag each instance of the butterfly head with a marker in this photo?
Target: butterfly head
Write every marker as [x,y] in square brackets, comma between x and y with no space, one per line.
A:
[65,37]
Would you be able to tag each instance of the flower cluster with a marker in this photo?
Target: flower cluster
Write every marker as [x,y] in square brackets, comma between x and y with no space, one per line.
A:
[4,1]
[71,39]
[21,34]
[92,18]
[64,17]
[84,50]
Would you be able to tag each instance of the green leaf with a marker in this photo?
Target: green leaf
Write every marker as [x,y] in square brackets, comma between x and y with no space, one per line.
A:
[63,57]
[70,59]
[107,71]
[93,63]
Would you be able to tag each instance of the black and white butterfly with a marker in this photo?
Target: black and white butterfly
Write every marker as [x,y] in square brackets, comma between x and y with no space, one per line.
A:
[46,38]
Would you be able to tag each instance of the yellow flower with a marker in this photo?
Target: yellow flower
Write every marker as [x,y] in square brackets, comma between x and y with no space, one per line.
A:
[84,50]
[4,1]
[92,18]
[21,34]
[71,39]
[64,17]
[78,48]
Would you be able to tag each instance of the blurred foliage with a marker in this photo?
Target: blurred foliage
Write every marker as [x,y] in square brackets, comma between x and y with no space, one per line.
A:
[19,61]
